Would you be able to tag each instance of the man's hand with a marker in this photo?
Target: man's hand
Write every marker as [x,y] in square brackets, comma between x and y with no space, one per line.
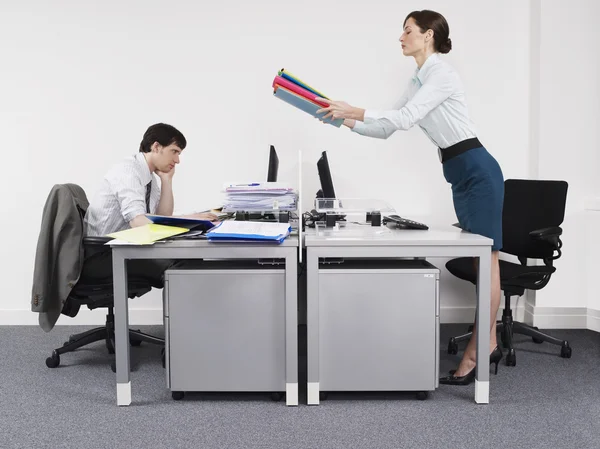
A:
[340,109]
[166,176]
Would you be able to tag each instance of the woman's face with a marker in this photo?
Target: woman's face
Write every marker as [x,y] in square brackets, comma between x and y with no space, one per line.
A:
[412,39]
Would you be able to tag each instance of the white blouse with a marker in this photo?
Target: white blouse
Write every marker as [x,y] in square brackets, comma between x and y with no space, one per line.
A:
[434,99]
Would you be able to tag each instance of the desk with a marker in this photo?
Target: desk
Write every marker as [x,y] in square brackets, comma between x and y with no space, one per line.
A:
[355,241]
[202,249]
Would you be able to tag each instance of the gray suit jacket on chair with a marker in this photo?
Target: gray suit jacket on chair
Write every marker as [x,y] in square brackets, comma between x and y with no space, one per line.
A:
[59,255]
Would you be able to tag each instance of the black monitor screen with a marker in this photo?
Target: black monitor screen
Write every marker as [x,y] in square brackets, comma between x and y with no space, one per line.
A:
[325,177]
[273,165]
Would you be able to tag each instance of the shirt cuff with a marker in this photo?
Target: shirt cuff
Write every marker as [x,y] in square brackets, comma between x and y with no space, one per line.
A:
[359,127]
[371,116]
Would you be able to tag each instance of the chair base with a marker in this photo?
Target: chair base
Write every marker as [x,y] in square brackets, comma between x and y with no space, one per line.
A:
[106,333]
[507,328]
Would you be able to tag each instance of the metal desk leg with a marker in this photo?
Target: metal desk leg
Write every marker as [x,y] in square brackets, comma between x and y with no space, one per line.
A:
[312,326]
[482,374]
[291,328]
[121,328]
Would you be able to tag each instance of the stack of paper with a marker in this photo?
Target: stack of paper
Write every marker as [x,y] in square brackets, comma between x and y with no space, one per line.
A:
[260,197]
[250,231]
[293,91]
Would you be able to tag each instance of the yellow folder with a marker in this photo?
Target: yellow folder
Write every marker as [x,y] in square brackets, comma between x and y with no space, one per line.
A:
[143,235]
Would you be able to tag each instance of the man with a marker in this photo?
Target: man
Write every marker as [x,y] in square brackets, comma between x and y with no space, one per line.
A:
[129,191]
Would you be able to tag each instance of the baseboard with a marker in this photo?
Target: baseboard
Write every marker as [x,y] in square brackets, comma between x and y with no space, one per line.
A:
[450,315]
[85,317]
[593,320]
[558,317]
[543,317]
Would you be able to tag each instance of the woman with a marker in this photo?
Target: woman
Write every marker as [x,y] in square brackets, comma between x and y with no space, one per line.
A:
[435,101]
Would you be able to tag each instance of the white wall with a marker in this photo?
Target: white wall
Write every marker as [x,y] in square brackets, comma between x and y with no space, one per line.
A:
[569,145]
[85,79]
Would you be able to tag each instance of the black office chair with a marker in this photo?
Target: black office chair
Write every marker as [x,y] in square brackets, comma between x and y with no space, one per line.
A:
[533,211]
[95,293]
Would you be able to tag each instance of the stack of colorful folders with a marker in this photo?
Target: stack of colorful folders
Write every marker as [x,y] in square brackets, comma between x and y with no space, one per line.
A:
[293,91]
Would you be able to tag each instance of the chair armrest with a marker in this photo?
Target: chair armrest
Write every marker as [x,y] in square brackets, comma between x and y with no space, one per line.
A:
[546,233]
[96,241]
[551,236]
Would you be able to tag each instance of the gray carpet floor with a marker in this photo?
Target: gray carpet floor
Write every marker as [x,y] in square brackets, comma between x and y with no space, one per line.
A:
[545,401]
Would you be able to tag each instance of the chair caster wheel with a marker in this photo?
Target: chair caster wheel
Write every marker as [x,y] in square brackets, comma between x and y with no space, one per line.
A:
[452,346]
[537,341]
[177,395]
[422,395]
[565,350]
[276,397]
[113,367]
[323,395]
[53,361]
[511,358]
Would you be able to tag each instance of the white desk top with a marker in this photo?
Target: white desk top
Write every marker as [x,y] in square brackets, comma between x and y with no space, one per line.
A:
[292,240]
[363,235]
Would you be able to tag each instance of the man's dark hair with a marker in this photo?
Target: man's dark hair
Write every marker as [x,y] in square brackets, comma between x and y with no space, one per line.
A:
[163,134]
[431,20]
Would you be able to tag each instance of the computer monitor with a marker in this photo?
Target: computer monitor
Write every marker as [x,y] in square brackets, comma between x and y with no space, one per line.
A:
[327,190]
[273,165]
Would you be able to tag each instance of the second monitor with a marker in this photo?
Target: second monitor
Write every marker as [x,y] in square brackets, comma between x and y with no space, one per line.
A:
[273,165]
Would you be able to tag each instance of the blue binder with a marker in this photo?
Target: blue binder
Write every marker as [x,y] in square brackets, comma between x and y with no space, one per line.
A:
[189,223]
[305,105]
[214,236]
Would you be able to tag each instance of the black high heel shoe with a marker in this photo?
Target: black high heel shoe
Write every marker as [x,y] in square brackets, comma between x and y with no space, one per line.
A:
[495,358]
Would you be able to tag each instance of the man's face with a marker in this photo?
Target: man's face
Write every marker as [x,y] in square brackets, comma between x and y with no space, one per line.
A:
[165,158]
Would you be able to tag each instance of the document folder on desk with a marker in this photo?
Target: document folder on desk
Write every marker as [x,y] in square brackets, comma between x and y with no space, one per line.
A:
[147,234]
[249,231]
[191,223]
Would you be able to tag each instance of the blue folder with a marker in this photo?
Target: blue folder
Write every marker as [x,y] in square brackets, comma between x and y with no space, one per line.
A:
[191,223]
[212,236]
[305,105]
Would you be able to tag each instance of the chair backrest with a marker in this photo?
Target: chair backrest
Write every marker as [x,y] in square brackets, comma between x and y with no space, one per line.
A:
[59,251]
[530,205]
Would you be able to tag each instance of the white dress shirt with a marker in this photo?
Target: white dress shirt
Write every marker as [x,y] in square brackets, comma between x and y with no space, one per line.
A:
[122,197]
[434,99]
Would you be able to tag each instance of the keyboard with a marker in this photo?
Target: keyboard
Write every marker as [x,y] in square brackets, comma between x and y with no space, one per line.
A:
[404,223]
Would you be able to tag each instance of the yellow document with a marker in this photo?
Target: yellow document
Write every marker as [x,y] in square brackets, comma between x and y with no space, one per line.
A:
[150,233]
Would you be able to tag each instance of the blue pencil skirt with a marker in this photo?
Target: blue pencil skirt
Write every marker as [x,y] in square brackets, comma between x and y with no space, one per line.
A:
[478,193]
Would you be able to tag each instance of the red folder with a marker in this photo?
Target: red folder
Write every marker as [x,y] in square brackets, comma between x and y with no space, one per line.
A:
[298,90]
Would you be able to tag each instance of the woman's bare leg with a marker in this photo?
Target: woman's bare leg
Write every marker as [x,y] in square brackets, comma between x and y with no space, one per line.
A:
[468,361]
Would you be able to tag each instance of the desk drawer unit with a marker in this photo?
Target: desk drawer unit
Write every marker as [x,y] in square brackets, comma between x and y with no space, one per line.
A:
[225,329]
[378,326]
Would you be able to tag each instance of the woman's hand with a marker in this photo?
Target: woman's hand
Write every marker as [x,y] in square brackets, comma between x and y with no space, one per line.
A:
[340,109]
[349,123]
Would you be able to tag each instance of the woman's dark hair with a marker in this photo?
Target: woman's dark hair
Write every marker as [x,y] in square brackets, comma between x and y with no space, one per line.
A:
[431,20]
[163,134]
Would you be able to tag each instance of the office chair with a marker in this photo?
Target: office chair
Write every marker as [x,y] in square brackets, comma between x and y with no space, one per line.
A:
[532,213]
[94,294]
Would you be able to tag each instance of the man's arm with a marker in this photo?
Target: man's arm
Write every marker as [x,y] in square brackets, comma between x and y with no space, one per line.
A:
[166,203]
[140,220]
